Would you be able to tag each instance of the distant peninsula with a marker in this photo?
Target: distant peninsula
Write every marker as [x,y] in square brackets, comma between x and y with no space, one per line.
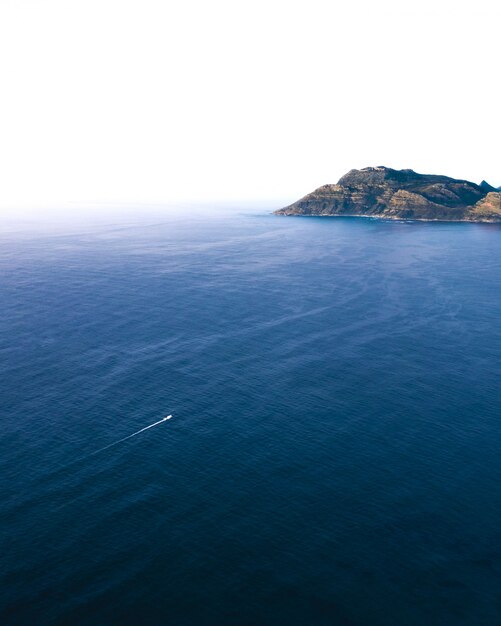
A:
[401,194]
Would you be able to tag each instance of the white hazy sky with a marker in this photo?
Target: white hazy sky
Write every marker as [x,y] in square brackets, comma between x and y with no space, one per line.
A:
[163,100]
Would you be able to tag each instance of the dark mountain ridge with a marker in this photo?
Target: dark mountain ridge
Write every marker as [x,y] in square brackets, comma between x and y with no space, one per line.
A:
[385,192]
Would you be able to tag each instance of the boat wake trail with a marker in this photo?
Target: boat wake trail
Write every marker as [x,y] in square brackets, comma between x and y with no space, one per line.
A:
[164,419]
[64,468]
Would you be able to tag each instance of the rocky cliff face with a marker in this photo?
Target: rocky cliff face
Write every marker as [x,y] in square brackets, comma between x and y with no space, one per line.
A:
[384,192]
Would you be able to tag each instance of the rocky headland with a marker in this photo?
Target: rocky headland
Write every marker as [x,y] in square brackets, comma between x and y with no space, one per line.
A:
[401,194]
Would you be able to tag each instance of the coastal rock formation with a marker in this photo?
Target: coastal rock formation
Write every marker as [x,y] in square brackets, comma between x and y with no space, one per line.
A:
[397,194]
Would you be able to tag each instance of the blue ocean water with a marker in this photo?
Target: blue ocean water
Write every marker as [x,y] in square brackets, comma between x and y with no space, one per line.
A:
[334,455]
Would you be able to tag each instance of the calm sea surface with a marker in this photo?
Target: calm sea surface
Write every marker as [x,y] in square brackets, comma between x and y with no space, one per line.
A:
[335,451]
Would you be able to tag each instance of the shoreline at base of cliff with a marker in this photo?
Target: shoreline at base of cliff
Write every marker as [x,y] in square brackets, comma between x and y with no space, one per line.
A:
[393,218]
